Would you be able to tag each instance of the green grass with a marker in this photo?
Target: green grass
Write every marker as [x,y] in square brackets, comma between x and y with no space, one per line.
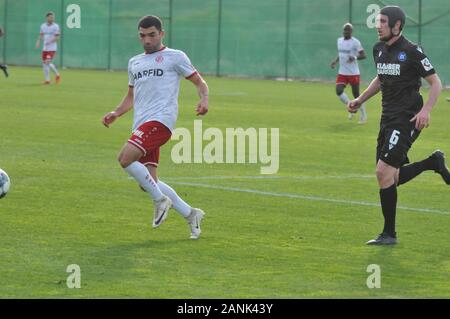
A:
[70,203]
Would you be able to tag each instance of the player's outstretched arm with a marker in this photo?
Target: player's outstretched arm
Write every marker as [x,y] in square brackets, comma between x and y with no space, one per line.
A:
[122,108]
[38,42]
[422,118]
[361,55]
[334,62]
[203,92]
[373,88]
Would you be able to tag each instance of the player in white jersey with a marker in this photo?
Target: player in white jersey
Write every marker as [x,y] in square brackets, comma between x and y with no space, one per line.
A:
[350,50]
[154,81]
[49,34]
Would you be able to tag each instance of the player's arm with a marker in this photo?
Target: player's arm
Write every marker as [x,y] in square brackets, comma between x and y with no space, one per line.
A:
[334,62]
[56,38]
[361,55]
[372,89]
[422,118]
[122,108]
[38,42]
[203,92]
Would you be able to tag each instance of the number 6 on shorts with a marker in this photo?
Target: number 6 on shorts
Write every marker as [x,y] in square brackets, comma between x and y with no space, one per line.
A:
[394,137]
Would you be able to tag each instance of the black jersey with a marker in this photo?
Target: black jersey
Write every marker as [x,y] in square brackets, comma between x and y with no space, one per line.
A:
[400,68]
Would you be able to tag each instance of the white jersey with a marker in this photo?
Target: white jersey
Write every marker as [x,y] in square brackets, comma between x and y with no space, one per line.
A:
[49,31]
[156,81]
[347,48]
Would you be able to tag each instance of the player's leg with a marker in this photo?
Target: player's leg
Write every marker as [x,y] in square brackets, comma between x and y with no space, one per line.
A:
[54,69]
[355,91]
[435,162]
[386,175]
[340,87]
[192,215]
[391,154]
[4,68]
[341,94]
[45,61]
[46,69]
[129,160]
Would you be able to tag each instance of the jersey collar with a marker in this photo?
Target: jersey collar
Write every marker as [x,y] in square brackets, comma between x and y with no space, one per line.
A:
[396,43]
[162,48]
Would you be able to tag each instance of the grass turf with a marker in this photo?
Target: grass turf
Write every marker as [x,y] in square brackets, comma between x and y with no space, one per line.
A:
[70,203]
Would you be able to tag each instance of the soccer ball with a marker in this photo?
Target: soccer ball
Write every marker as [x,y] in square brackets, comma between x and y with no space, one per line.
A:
[5,182]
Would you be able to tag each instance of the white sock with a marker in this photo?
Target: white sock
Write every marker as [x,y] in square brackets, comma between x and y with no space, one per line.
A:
[178,204]
[344,98]
[363,111]
[143,177]
[53,67]
[46,71]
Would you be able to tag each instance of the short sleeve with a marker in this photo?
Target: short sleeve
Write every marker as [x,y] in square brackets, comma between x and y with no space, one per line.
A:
[184,67]
[421,63]
[130,75]
[358,46]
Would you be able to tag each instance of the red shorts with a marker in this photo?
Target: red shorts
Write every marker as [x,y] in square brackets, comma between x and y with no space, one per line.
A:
[347,79]
[48,55]
[149,137]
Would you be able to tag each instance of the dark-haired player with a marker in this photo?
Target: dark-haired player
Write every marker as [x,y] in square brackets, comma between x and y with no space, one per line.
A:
[154,82]
[49,34]
[400,66]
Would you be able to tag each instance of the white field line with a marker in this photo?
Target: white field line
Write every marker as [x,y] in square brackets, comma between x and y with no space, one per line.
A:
[270,177]
[306,197]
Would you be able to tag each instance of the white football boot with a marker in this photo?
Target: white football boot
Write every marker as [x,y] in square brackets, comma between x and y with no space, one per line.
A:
[194,220]
[350,115]
[362,120]
[161,210]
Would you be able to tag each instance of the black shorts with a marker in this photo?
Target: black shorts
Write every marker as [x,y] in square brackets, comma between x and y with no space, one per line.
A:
[394,142]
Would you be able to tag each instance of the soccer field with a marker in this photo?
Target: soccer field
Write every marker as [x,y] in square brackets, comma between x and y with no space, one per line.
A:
[299,233]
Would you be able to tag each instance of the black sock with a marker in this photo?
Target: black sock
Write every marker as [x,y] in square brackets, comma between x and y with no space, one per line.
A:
[410,171]
[388,199]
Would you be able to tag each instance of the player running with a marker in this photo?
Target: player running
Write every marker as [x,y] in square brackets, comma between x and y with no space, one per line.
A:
[50,34]
[154,82]
[400,66]
[350,51]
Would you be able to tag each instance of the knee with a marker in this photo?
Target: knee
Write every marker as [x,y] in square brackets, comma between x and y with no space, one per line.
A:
[383,177]
[123,160]
[379,172]
[339,91]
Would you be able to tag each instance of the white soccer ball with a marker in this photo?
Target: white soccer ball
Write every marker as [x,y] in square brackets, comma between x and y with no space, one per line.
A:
[5,182]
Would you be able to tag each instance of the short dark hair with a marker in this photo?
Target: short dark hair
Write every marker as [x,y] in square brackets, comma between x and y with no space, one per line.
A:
[150,21]
[50,13]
